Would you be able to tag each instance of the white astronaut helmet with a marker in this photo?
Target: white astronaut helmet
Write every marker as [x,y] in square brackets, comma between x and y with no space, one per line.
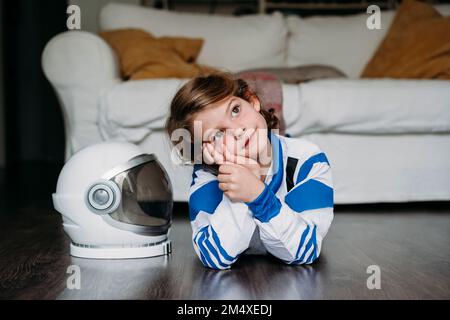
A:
[116,202]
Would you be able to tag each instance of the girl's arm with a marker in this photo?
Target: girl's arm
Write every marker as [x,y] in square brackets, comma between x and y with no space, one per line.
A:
[221,229]
[293,227]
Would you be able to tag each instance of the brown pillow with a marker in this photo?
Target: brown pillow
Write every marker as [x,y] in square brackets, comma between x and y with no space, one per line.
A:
[417,45]
[144,56]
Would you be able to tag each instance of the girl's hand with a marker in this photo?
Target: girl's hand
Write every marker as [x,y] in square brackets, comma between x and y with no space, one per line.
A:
[239,183]
[239,177]
[217,153]
[248,163]
[213,155]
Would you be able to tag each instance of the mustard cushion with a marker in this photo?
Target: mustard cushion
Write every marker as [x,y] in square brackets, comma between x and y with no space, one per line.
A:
[417,45]
[144,56]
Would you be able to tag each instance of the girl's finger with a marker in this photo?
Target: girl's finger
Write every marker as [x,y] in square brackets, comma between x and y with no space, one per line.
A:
[218,158]
[223,186]
[227,167]
[218,145]
[238,159]
[223,177]
[211,150]
[228,155]
[207,155]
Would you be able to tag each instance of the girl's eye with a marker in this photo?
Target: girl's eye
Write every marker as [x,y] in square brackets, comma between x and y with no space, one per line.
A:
[235,110]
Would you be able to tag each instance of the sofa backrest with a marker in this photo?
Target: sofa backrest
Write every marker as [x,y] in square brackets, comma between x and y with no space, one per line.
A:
[269,40]
[344,42]
[232,43]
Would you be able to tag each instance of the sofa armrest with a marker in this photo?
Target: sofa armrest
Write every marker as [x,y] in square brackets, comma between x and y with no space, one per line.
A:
[79,65]
[79,58]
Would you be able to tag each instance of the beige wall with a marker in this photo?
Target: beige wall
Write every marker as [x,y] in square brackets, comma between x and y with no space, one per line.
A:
[222,8]
[90,10]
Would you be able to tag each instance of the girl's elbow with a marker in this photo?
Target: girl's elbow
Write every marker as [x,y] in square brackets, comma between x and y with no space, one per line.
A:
[307,258]
[300,262]
[214,261]
[216,265]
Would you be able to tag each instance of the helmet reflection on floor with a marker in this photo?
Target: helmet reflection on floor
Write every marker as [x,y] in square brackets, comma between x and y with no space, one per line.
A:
[116,202]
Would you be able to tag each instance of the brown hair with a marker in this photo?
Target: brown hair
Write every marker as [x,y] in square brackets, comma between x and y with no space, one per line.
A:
[202,91]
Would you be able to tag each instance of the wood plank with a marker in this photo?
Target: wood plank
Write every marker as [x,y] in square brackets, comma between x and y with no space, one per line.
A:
[410,244]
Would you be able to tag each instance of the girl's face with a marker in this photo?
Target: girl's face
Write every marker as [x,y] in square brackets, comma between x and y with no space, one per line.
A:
[237,125]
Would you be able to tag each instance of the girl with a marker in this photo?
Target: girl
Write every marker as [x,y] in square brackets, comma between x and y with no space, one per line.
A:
[255,191]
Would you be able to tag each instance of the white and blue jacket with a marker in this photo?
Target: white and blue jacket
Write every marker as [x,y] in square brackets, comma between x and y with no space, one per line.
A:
[289,219]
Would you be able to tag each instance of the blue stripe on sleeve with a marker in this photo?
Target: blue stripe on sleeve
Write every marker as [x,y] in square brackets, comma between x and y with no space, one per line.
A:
[265,206]
[203,242]
[206,198]
[214,251]
[308,164]
[311,242]
[313,254]
[310,195]
[302,240]
[278,165]
[204,251]
[202,258]
[221,249]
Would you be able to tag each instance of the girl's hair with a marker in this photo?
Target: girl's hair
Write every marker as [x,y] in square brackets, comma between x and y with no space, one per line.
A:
[201,91]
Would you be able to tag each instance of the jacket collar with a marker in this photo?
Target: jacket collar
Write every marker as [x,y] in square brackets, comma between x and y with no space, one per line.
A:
[275,172]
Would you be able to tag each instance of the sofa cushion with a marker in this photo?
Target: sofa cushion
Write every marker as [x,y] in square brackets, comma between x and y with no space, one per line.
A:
[231,43]
[367,106]
[132,110]
[341,41]
[143,56]
[416,46]
[344,42]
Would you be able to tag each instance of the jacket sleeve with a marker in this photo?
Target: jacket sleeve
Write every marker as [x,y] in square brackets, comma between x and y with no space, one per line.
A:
[221,229]
[292,228]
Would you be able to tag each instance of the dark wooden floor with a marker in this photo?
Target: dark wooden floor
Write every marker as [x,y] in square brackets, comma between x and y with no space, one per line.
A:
[409,242]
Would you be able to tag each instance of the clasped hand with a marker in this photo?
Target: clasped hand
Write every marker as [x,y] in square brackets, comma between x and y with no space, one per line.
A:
[239,177]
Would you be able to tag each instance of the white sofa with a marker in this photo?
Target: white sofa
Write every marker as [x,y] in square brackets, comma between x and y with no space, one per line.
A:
[387,140]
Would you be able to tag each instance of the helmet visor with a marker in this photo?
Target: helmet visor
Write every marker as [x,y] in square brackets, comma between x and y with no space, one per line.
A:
[146,198]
